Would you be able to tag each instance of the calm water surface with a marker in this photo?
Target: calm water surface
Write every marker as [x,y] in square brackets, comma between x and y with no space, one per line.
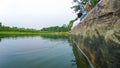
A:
[36,52]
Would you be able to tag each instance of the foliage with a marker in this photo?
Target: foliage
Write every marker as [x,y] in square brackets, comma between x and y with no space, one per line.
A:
[93,2]
[71,23]
[56,29]
[80,4]
[64,28]
[15,29]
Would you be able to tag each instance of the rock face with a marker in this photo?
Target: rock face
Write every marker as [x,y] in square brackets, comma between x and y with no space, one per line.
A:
[98,35]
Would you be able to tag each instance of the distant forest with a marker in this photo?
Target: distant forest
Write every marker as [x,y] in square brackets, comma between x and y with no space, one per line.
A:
[16,29]
[64,28]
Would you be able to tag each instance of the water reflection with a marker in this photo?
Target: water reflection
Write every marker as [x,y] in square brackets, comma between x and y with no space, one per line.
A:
[0,39]
[43,36]
[62,37]
[80,59]
[101,54]
[36,52]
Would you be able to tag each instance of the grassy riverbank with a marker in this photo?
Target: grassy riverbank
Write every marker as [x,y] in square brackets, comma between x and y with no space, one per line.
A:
[6,30]
[33,33]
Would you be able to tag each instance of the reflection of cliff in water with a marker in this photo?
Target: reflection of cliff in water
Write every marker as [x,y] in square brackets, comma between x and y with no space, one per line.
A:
[81,61]
[0,39]
[101,54]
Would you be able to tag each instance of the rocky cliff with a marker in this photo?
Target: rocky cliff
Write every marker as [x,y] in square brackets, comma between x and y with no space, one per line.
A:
[98,35]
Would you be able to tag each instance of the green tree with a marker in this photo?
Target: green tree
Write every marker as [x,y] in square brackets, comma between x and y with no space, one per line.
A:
[15,29]
[80,4]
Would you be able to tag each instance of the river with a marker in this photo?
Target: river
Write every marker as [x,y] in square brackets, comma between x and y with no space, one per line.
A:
[36,52]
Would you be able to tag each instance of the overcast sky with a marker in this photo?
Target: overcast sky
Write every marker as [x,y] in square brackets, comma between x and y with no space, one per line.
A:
[35,13]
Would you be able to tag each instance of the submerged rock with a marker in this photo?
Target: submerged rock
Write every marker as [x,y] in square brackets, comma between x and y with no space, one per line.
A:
[98,35]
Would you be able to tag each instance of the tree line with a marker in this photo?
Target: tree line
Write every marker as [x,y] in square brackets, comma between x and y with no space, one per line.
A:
[16,29]
[64,28]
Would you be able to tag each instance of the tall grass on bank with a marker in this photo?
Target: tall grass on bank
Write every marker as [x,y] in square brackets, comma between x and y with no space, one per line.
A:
[33,33]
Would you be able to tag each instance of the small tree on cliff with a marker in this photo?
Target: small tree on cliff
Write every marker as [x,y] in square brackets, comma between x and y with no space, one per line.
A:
[80,4]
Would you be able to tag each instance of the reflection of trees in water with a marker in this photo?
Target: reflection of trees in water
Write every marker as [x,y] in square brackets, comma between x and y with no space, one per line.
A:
[51,37]
[2,36]
[54,37]
[44,36]
[101,54]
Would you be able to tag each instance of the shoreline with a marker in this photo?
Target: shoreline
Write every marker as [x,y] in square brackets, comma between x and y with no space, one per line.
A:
[33,33]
